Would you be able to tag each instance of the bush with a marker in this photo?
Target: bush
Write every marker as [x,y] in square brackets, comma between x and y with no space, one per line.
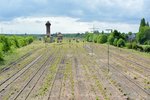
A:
[6,43]
[134,45]
[147,42]
[102,38]
[89,37]
[1,52]
[111,39]
[140,48]
[121,43]
[115,42]
[1,56]
[13,42]
[29,40]
[129,45]
[16,42]
[146,49]
[95,38]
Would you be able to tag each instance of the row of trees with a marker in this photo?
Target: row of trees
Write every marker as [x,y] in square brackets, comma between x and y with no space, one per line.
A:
[114,38]
[123,40]
[9,43]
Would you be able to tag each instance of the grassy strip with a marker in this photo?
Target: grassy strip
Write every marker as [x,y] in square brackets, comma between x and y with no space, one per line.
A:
[17,53]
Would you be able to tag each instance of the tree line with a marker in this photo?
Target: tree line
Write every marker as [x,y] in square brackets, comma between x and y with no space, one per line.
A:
[140,42]
[9,43]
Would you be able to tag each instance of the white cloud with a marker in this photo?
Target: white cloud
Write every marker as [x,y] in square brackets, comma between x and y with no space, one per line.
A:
[36,25]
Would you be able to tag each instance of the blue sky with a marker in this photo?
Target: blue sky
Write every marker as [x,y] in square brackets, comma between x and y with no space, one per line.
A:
[72,15]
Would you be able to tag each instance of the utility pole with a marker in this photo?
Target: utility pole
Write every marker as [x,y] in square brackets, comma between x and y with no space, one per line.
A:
[93,30]
[109,30]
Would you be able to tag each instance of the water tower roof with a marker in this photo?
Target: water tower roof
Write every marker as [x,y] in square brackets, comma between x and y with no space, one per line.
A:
[48,23]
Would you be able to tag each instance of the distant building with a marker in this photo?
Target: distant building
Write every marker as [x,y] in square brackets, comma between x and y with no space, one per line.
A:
[59,37]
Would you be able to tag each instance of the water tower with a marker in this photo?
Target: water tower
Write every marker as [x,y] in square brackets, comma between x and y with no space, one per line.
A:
[48,29]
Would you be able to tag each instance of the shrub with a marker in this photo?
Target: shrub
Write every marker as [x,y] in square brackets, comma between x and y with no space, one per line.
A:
[13,41]
[111,39]
[16,42]
[140,48]
[29,40]
[1,56]
[147,42]
[129,45]
[95,38]
[115,42]
[134,45]
[1,52]
[89,37]
[102,38]
[6,43]
[121,43]
[146,49]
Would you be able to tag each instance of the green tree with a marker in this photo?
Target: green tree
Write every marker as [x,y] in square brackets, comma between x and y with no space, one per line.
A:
[142,24]
[95,38]
[121,43]
[130,33]
[116,34]
[115,42]
[147,24]
[102,32]
[102,38]
[111,39]
[124,36]
[89,37]
[143,35]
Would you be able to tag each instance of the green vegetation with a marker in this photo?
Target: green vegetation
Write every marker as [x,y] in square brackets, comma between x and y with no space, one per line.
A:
[115,38]
[143,36]
[139,41]
[97,38]
[9,43]
[120,43]
[111,39]
[102,38]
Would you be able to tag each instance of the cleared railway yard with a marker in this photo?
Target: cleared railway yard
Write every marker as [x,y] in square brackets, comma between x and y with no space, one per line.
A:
[77,71]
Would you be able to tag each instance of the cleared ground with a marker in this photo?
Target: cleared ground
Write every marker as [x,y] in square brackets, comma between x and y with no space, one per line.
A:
[77,71]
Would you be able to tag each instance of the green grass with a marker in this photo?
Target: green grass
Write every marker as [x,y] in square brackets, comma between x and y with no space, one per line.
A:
[17,53]
[144,54]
